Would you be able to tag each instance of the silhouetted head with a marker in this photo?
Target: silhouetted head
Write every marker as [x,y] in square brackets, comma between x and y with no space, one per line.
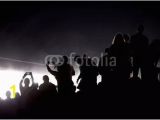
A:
[78,59]
[118,39]
[8,95]
[26,82]
[65,59]
[126,37]
[84,55]
[45,79]
[140,28]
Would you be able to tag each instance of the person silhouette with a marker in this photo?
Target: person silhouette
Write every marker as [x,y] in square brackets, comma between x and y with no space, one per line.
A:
[27,93]
[8,95]
[64,74]
[48,94]
[139,45]
[88,74]
[119,51]
[26,89]
[10,106]
[47,87]
[153,58]
[127,40]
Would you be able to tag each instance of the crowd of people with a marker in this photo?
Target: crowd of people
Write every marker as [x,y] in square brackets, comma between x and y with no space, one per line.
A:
[133,78]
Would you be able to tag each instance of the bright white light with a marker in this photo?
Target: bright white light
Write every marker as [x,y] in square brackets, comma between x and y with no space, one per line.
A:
[7,79]
[10,77]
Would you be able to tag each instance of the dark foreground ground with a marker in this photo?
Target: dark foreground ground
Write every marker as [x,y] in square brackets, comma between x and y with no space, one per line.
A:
[132,100]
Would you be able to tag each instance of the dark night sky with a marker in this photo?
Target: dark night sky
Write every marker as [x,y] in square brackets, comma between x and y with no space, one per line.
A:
[31,30]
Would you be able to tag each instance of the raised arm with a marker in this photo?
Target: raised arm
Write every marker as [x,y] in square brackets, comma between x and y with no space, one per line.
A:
[32,79]
[55,73]
[20,84]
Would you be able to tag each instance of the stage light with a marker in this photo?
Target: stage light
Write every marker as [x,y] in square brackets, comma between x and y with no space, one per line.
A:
[10,77]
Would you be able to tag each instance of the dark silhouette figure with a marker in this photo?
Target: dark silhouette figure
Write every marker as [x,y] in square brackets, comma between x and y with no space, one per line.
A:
[139,46]
[64,74]
[47,91]
[153,58]
[47,87]
[8,95]
[119,52]
[9,105]
[26,89]
[88,74]
[27,94]
[127,40]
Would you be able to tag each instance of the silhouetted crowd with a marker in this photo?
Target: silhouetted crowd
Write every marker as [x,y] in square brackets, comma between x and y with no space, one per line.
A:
[130,84]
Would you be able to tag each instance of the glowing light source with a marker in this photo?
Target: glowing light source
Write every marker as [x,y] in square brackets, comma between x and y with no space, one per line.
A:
[10,77]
